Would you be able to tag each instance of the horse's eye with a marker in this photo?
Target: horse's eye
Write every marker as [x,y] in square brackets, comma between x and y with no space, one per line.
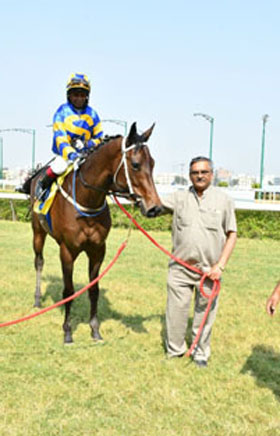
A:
[135,166]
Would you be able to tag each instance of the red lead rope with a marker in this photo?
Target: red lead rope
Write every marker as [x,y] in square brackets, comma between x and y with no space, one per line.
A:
[216,283]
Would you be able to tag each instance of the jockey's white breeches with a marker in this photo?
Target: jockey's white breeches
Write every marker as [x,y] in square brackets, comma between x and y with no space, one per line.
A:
[59,165]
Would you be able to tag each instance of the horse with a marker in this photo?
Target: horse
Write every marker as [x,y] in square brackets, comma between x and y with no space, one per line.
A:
[80,215]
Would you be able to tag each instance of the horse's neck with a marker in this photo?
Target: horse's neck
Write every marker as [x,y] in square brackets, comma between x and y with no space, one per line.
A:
[99,168]
[104,161]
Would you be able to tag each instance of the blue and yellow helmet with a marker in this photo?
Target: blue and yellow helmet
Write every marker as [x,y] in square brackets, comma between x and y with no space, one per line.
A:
[78,81]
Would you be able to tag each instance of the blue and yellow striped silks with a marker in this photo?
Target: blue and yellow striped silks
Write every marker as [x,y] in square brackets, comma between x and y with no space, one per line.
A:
[69,124]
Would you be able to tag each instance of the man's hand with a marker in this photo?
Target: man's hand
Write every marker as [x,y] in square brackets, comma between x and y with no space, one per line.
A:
[215,272]
[273,300]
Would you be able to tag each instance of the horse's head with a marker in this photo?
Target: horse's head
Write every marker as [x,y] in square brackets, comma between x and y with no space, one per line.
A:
[134,173]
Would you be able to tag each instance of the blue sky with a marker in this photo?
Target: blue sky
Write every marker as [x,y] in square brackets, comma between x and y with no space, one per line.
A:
[148,61]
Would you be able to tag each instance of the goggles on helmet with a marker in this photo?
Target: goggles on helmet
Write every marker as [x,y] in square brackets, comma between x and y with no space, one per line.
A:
[78,81]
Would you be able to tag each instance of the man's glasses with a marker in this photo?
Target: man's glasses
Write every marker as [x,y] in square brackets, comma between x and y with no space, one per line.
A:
[197,173]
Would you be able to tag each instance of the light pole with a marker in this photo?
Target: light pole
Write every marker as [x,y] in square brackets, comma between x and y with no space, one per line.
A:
[264,119]
[211,121]
[1,157]
[119,122]
[30,131]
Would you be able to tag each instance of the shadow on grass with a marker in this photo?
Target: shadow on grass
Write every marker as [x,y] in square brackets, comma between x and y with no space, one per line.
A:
[264,366]
[80,310]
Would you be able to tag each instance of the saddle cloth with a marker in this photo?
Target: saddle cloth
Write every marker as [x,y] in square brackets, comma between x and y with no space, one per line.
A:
[43,205]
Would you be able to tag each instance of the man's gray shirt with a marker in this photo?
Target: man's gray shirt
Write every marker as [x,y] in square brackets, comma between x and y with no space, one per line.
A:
[200,225]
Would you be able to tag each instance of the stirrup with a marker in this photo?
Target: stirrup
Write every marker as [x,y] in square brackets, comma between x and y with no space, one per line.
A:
[40,190]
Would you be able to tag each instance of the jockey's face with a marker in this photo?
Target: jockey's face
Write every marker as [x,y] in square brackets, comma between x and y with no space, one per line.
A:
[78,98]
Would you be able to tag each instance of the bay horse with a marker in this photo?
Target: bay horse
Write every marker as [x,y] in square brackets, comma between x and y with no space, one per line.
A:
[80,215]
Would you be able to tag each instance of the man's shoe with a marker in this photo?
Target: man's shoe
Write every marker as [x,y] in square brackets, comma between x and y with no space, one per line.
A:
[201,363]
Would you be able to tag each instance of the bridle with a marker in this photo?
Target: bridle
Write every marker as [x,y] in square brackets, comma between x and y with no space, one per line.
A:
[123,162]
[84,211]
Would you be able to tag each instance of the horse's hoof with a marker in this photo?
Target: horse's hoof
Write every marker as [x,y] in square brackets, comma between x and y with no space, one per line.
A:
[37,305]
[68,340]
[97,338]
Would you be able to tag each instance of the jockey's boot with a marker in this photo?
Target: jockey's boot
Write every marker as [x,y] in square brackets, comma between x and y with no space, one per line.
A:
[43,184]
[24,188]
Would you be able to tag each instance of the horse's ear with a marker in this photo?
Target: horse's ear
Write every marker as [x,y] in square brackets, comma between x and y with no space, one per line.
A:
[132,136]
[145,136]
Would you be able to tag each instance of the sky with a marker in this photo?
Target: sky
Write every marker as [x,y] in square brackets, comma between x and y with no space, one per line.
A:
[150,61]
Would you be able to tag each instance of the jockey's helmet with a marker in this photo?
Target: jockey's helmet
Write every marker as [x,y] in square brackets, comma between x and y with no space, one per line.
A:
[78,81]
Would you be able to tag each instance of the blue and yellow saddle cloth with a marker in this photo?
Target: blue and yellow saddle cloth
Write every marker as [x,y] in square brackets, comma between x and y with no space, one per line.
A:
[42,206]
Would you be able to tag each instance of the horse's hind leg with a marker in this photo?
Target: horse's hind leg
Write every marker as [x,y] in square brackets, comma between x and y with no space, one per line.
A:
[67,262]
[39,236]
[95,261]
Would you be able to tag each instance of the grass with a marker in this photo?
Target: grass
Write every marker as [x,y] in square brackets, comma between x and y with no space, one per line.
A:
[126,386]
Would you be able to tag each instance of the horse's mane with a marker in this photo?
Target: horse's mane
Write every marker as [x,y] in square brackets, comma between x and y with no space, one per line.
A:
[108,138]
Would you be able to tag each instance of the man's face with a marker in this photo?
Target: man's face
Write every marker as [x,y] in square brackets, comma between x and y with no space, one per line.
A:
[78,98]
[201,175]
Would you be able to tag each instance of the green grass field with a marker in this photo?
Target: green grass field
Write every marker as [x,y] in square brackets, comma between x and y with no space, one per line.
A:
[126,386]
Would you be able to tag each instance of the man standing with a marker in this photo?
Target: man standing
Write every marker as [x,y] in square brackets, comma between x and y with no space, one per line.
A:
[203,235]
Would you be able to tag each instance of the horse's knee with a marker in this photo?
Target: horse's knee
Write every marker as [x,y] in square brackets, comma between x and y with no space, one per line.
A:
[39,262]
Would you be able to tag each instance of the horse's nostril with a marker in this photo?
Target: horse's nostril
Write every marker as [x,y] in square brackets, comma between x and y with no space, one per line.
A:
[154,211]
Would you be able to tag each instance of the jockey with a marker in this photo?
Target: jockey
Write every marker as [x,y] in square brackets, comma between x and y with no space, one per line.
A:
[76,127]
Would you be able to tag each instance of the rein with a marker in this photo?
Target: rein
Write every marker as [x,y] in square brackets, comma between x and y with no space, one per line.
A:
[88,212]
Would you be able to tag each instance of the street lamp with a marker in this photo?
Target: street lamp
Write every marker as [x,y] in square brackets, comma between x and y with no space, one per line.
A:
[211,121]
[119,122]
[264,119]
[32,132]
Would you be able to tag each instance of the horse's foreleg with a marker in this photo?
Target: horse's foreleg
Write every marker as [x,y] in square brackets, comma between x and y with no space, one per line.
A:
[39,237]
[67,262]
[95,261]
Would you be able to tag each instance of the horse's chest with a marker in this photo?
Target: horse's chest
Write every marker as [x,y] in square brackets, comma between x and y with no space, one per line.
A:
[93,234]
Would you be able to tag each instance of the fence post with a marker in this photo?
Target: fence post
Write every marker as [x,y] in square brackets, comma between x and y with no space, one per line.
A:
[14,215]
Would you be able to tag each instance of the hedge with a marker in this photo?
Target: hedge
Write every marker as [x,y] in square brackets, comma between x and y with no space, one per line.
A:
[251,224]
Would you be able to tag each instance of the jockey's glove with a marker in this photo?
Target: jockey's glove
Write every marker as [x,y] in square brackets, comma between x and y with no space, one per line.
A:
[79,145]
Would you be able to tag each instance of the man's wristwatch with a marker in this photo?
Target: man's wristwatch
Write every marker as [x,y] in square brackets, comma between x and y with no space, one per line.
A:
[222,268]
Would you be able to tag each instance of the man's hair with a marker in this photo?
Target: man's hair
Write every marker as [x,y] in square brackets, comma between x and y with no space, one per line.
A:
[202,158]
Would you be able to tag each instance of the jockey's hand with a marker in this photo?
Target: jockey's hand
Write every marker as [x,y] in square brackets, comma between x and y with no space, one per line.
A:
[79,145]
